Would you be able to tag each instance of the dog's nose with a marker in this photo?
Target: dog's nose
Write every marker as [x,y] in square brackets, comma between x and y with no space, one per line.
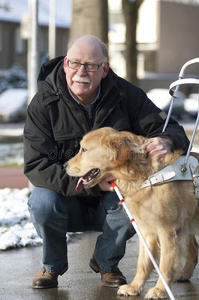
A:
[65,165]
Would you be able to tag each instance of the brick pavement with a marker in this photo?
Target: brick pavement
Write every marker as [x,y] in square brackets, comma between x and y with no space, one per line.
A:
[12,178]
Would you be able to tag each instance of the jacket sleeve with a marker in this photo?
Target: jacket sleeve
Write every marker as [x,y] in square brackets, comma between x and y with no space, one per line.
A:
[39,168]
[148,120]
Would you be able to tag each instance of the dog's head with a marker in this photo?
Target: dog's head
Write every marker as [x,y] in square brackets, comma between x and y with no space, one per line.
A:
[102,153]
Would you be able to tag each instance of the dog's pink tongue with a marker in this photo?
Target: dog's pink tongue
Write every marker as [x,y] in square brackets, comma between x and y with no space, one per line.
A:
[79,184]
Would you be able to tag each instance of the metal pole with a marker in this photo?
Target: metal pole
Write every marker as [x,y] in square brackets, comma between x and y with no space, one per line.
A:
[52,30]
[33,61]
[34,49]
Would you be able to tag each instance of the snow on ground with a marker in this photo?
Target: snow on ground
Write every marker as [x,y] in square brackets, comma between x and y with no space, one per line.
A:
[16,230]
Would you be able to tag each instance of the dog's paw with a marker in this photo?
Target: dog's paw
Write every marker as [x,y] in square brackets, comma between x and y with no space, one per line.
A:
[156,293]
[128,290]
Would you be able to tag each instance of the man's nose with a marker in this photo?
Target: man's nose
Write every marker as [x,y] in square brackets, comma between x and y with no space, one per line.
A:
[82,70]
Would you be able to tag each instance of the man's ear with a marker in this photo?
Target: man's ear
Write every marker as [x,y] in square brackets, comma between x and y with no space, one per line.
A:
[105,69]
[65,63]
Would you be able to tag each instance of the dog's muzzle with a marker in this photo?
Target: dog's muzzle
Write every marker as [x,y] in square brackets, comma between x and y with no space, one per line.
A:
[88,177]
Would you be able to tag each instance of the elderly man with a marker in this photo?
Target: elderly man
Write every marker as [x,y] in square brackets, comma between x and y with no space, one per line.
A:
[76,94]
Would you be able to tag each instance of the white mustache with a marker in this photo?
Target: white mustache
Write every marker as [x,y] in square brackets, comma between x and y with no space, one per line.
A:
[84,79]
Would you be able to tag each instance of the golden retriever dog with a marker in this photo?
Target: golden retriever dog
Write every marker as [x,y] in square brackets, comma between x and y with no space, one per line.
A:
[166,214]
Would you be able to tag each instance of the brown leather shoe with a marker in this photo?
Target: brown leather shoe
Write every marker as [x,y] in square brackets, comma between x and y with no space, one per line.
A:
[45,280]
[109,279]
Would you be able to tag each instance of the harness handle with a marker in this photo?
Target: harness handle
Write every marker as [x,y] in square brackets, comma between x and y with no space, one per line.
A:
[173,89]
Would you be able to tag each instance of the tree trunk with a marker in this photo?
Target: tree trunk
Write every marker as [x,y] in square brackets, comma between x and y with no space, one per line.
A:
[130,11]
[90,17]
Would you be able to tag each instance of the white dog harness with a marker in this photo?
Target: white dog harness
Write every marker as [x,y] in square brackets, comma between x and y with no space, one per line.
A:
[174,172]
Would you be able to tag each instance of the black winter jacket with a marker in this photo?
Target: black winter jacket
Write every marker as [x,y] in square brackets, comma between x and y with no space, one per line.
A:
[55,125]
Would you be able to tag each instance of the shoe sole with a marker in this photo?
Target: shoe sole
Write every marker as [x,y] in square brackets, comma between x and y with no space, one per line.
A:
[44,287]
[110,286]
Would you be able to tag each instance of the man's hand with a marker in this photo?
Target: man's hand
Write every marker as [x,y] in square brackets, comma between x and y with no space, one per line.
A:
[105,184]
[158,147]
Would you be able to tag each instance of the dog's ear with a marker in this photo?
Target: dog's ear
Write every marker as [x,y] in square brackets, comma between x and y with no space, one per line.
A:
[120,148]
[123,147]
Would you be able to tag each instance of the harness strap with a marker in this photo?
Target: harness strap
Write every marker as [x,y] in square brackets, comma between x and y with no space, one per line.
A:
[174,172]
[161,176]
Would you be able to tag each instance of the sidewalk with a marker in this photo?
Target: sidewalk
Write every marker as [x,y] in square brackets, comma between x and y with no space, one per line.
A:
[18,267]
[12,178]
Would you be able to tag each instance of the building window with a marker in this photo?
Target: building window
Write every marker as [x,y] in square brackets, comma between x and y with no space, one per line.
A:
[19,42]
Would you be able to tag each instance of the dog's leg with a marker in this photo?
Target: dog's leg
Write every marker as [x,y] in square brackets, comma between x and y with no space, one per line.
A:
[144,269]
[191,259]
[169,263]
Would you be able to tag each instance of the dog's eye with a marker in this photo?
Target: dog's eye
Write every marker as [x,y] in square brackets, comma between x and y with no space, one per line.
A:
[84,149]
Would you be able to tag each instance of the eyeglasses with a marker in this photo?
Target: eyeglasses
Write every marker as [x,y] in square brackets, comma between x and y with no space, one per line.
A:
[88,67]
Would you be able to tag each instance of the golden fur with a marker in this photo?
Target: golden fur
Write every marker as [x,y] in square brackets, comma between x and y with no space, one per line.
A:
[167,214]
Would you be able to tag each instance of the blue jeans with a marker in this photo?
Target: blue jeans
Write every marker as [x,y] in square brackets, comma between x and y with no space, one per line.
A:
[53,215]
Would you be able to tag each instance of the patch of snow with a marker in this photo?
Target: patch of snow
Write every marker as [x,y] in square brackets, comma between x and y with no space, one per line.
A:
[16,229]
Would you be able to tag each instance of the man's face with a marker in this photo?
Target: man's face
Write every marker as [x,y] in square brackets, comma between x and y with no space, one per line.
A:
[83,84]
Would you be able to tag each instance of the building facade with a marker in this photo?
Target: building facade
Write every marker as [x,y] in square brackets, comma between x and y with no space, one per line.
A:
[14,47]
